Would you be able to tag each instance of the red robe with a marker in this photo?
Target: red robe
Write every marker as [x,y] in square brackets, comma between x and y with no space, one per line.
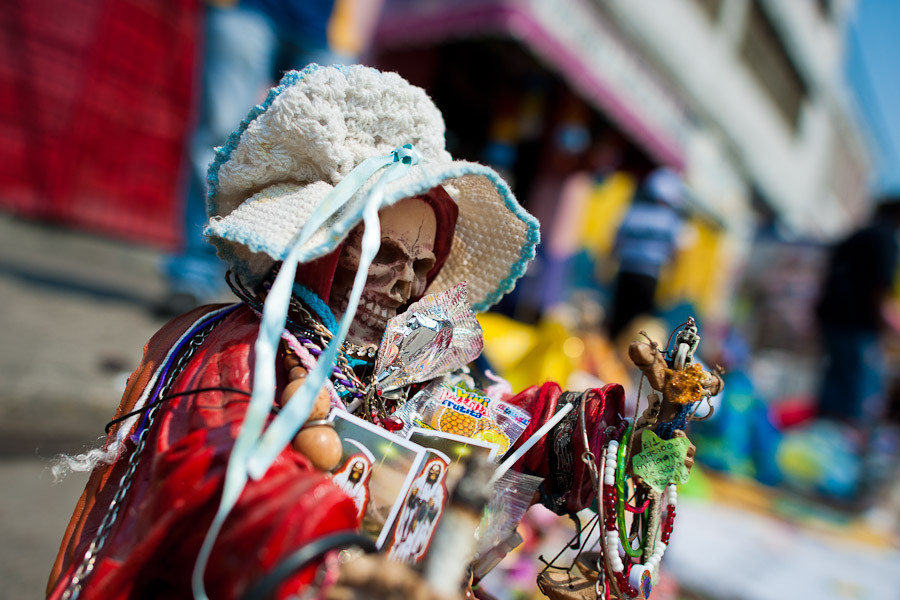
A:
[152,547]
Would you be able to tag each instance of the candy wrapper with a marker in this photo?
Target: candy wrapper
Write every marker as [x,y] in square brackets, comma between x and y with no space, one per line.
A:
[447,406]
[435,335]
[510,498]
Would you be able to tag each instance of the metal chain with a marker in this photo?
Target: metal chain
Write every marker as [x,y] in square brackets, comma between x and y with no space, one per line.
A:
[314,336]
[314,327]
[600,584]
[319,335]
[89,561]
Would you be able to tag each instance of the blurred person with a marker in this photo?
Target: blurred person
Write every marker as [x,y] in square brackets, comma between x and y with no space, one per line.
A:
[859,280]
[645,242]
[247,44]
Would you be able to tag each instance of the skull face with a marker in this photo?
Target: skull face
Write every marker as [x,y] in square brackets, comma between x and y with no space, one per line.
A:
[434,473]
[397,273]
[357,471]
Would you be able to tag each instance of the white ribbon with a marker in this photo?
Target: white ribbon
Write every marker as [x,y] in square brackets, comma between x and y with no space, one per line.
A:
[255,450]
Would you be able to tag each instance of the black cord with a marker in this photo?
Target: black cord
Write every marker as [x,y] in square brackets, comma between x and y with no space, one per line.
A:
[169,397]
[265,588]
[574,544]
[245,296]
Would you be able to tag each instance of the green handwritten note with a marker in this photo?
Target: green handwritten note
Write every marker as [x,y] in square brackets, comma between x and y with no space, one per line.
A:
[661,462]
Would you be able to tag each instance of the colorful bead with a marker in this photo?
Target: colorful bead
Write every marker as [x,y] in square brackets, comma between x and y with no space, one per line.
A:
[321,445]
[639,580]
[297,372]
[393,423]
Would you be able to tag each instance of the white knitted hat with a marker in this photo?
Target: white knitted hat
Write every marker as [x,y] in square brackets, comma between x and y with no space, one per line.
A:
[310,133]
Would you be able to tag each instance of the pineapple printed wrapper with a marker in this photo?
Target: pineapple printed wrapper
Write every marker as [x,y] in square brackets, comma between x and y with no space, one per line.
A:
[445,406]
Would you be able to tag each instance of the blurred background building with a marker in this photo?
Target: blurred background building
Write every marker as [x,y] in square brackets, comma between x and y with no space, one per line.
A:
[775,113]
[746,98]
[577,100]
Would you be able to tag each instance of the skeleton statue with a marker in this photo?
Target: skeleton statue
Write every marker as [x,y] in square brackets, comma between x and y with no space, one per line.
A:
[203,432]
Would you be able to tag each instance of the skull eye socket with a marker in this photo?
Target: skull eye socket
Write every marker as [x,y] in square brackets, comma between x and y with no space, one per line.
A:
[389,253]
[423,265]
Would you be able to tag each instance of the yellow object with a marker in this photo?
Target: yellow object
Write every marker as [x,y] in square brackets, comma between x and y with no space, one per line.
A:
[506,341]
[544,359]
[604,212]
[493,435]
[450,421]
[351,26]
[342,35]
[699,273]
[684,387]
[527,355]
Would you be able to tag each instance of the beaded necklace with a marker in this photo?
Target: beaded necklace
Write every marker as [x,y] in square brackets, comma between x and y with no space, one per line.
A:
[313,335]
[631,576]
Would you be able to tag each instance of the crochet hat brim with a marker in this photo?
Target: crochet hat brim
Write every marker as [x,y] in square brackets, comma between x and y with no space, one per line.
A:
[493,242]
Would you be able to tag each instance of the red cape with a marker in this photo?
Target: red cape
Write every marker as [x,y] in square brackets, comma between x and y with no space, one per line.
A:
[153,545]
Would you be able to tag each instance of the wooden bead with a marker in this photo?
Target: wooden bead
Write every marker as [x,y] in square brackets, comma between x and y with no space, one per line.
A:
[289,390]
[291,360]
[321,445]
[297,373]
[321,406]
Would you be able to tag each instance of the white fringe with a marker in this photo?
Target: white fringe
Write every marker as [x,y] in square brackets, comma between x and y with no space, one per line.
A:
[64,464]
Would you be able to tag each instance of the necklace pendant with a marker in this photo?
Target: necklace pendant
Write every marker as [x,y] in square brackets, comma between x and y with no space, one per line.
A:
[361,352]
[393,423]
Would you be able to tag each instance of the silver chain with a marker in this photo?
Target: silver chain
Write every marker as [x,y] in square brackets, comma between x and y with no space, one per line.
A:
[89,561]
[325,336]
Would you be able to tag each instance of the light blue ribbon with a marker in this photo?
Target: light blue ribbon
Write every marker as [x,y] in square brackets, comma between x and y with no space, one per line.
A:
[254,450]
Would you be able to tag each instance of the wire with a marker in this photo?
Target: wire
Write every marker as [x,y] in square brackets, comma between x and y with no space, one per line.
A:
[169,397]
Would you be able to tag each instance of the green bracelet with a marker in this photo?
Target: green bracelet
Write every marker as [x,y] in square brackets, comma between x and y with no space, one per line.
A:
[620,497]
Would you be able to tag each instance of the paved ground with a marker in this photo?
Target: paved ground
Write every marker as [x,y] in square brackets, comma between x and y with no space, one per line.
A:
[33,515]
[74,315]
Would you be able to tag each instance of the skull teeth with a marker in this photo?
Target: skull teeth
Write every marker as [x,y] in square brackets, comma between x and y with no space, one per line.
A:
[371,312]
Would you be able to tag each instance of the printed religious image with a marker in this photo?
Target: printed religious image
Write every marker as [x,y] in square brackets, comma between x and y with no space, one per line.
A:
[421,511]
[452,449]
[376,470]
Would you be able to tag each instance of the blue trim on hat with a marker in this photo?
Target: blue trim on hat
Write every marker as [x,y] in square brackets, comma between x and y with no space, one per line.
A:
[527,252]
[223,153]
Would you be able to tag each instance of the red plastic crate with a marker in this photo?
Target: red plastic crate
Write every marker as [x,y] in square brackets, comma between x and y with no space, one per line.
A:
[95,102]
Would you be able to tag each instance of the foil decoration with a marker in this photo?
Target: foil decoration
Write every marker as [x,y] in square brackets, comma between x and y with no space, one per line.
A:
[435,335]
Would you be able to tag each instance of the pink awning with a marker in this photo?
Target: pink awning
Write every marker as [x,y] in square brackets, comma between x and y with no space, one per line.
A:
[573,39]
